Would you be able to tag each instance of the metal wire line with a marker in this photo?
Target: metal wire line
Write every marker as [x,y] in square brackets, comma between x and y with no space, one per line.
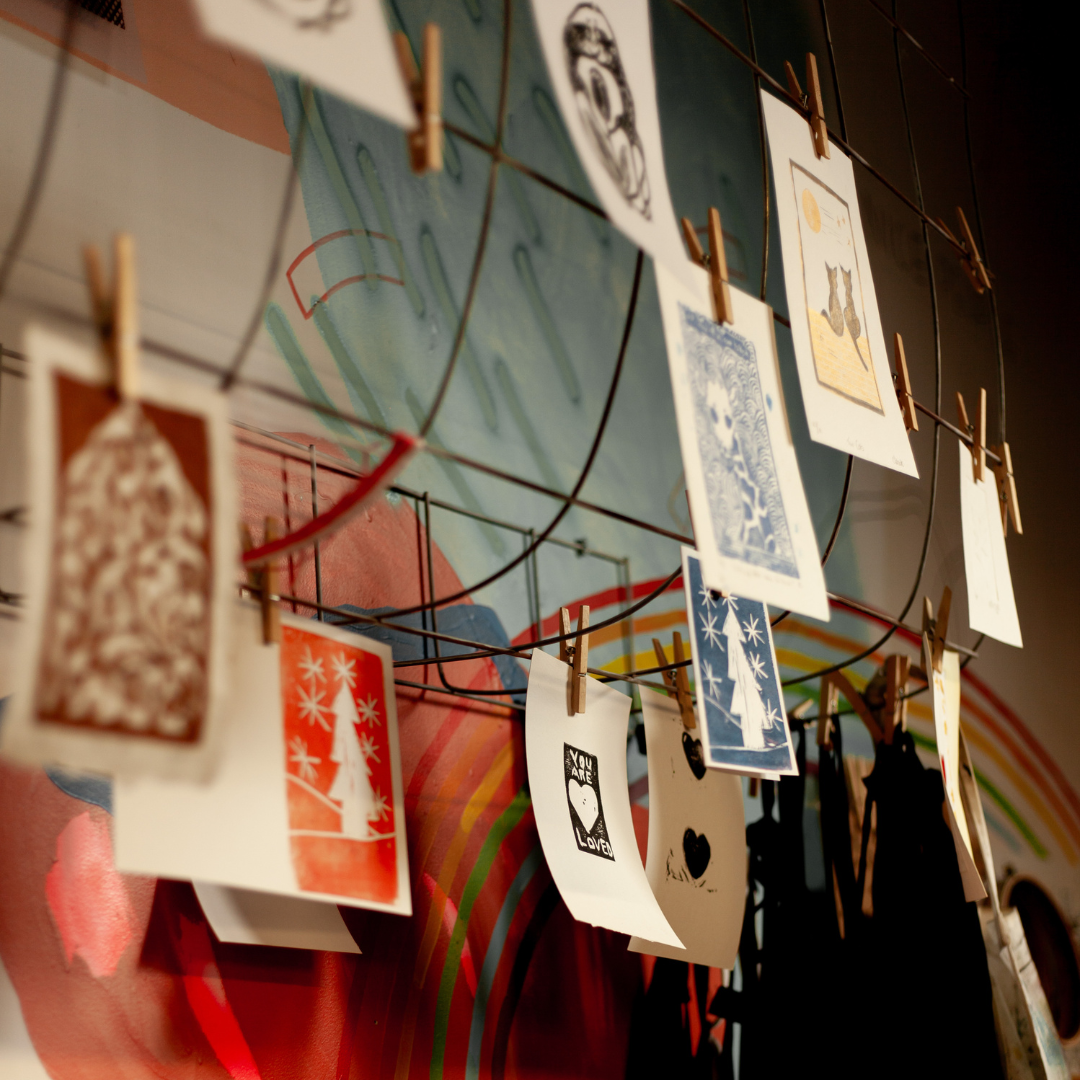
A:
[46,144]
[485,225]
[841,142]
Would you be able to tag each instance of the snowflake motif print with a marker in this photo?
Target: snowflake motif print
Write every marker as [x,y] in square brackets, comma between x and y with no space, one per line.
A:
[337,767]
[586,807]
[739,688]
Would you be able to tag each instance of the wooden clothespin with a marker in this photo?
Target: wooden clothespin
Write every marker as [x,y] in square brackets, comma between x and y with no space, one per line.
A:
[576,655]
[935,631]
[970,260]
[903,386]
[838,682]
[812,101]
[828,703]
[425,142]
[1006,485]
[271,616]
[675,679]
[116,314]
[897,672]
[977,433]
[718,274]
[693,244]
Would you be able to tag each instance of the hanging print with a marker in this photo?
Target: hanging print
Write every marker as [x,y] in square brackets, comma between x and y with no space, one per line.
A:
[130,569]
[307,800]
[577,778]
[844,369]
[740,703]
[342,45]
[696,862]
[599,57]
[750,515]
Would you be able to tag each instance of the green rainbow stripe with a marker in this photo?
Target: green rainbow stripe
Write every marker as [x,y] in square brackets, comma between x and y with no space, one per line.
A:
[502,828]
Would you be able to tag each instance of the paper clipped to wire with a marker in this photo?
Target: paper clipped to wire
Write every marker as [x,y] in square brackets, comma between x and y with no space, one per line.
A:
[946,693]
[577,777]
[840,352]
[991,603]
[696,861]
[341,45]
[307,801]
[129,560]
[739,699]
[751,520]
[599,58]
[246,917]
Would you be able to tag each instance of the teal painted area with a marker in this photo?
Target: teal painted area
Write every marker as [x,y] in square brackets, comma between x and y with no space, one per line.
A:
[363,400]
[277,326]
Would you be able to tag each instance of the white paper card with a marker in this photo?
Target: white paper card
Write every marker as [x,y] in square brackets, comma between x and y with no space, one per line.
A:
[739,699]
[577,777]
[599,57]
[129,568]
[696,862]
[751,521]
[245,917]
[947,733]
[307,801]
[342,45]
[840,350]
[991,604]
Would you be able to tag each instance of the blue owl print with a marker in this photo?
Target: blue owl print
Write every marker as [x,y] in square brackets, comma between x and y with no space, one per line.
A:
[737,682]
[732,431]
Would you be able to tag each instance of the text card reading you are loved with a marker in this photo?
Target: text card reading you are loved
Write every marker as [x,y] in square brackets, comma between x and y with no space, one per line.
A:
[696,862]
[307,801]
[577,776]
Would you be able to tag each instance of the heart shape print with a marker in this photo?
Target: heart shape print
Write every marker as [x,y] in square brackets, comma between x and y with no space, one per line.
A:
[583,800]
[697,853]
[695,758]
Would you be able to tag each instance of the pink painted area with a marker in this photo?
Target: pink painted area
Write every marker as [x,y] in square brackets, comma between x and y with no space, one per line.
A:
[206,995]
[87,897]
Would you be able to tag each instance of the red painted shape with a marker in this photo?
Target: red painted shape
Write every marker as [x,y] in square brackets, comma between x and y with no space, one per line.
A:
[87,897]
[308,312]
[206,995]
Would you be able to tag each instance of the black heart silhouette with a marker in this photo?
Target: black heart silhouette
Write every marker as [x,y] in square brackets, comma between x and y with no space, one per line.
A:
[694,757]
[697,851]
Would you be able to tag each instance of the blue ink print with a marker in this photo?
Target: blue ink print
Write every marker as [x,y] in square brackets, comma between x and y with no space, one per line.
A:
[738,685]
[732,428]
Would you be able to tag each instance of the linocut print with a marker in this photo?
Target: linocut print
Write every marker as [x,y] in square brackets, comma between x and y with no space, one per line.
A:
[696,861]
[740,703]
[337,764]
[588,840]
[127,623]
[736,452]
[834,301]
[129,569]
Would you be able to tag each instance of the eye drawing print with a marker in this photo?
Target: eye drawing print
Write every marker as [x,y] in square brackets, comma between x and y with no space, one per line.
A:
[732,428]
[605,103]
[834,303]
[586,807]
[311,14]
